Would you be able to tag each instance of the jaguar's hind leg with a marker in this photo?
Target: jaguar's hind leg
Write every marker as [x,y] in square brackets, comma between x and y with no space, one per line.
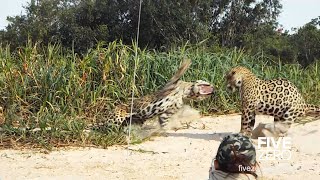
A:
[282,124]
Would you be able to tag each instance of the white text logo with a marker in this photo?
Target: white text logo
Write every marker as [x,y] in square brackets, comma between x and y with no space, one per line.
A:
[274,149]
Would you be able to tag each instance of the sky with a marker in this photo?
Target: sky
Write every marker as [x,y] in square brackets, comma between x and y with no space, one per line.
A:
[295,13]
[10,8]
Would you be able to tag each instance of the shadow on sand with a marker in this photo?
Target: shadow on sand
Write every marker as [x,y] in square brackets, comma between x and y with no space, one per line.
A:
[205,136]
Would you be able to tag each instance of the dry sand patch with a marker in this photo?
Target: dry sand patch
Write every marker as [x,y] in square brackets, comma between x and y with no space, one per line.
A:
[183,154]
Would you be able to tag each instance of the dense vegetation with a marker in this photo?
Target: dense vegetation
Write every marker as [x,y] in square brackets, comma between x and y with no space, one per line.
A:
[47,87]
[66,63]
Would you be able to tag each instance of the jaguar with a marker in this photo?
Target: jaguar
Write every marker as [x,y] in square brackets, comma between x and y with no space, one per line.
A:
[162,103]
[276,97]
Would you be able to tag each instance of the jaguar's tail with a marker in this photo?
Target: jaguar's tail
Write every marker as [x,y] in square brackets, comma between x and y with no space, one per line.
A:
[171,84]
[312,110]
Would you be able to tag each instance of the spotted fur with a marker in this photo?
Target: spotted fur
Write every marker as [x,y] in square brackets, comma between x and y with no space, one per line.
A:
[277,97]
[163,103]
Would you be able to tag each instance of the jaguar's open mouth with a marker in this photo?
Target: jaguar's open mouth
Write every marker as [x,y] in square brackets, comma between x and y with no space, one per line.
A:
[205,89]
[201,90]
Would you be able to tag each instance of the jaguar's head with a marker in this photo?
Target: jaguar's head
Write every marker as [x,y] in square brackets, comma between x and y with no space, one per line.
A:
[199,90]
[235,77]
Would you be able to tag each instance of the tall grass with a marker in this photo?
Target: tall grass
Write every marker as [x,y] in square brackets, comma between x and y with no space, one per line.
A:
[48,87]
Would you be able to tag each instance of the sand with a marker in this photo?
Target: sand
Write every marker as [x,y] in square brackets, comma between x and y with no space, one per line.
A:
[182,154]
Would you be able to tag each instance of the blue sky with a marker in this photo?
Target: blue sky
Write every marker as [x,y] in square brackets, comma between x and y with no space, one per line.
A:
[295,13]
[10,8]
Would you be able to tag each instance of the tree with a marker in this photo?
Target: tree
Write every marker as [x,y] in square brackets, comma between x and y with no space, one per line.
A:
[307,42]
[233,20]
[81,24]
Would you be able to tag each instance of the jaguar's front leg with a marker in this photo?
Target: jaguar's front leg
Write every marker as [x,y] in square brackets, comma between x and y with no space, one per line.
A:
[163,118]
[247,121]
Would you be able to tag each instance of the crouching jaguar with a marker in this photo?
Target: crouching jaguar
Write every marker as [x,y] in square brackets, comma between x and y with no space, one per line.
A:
[162,103]
[276,97]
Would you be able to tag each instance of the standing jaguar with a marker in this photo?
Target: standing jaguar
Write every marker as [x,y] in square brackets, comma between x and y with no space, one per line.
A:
[277,97]
[162,103]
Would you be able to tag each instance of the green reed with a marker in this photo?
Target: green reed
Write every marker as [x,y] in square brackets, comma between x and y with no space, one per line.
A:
[49,87]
